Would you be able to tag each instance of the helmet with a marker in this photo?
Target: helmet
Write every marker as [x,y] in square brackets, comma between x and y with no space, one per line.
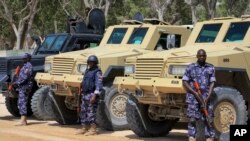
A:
[92,58]
[26,56]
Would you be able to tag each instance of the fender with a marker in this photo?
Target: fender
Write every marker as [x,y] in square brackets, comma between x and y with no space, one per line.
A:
[237,78]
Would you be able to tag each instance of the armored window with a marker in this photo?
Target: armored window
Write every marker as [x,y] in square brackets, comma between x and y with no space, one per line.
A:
[137,36]
[208,33]
[58,43]
[117,35]
[168,41]
[236,32]
[47,43]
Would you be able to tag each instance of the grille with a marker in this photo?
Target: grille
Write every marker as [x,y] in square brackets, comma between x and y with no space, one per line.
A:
[3,67]
[147,68]
[62,66]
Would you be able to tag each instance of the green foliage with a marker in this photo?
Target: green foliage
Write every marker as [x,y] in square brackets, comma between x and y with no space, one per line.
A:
[51,17]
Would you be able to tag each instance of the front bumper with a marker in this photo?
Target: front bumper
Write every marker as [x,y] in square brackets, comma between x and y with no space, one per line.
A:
[155,85]
[65,80]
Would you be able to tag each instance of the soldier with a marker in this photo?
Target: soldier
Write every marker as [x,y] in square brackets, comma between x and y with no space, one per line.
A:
[91,89]
[24,84]
[204,74]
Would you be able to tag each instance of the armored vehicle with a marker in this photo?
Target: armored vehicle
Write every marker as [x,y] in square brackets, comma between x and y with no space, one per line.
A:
[78,37]
[157,99]
[131,38]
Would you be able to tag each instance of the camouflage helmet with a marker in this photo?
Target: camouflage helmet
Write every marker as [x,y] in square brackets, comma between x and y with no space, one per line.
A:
[93,58]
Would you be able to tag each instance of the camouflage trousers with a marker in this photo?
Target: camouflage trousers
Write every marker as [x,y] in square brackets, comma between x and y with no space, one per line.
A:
[88,111]
[195,114]
[22,101]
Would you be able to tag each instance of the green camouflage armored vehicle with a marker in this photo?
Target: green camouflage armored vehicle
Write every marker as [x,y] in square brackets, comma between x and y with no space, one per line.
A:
[131,38]
[157,99]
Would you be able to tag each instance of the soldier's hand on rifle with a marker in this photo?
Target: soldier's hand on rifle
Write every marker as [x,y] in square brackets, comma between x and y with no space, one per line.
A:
[15,85]
[93,99]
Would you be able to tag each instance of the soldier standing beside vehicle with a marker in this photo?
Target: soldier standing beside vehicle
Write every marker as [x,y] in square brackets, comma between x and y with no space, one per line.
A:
[203,74]
[91,89]
[24,85]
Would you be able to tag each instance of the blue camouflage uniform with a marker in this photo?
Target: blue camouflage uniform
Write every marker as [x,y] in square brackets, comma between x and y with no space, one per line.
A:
[91,85]
[24,83]
[204,75]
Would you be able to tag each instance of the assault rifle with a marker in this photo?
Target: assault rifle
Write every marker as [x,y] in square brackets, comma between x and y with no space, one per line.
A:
[203,106]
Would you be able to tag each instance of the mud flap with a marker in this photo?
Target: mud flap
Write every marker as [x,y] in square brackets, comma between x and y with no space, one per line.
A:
[139,112]
[56,105]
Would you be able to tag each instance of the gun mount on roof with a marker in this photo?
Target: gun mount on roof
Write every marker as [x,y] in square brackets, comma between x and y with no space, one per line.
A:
[95,23]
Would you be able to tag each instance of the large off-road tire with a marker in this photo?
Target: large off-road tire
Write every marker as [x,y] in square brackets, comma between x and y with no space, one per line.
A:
[140,122]
[12,107]
[102,118]
[41,104]
[65,116]
[229,108]
[115,110]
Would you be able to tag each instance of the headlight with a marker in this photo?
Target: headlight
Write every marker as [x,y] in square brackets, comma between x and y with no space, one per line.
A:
[177,69]
[82,68]
[129,69]
[47,67]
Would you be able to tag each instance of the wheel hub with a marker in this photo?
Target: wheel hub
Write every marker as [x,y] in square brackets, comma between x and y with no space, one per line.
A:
[118,105]
[225,115]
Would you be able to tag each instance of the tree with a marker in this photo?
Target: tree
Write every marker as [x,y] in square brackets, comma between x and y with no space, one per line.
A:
[160,7]
[210,6]
[193,4]
[20,15]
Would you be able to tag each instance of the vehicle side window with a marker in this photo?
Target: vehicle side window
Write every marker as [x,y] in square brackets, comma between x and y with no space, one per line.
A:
[208,33]
[59,43]
[48,42]
[236,32]
[168,41]
[83,44]
[117,35]
[137,36]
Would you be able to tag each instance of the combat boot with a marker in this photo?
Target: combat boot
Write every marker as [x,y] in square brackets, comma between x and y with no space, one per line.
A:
[83,130]
[210,139]
[23,121]
[92,130]
[191,139]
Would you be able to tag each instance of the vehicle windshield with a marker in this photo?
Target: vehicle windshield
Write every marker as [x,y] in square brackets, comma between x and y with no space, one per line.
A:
[117,36]
[52,44]
[208,33]
[236,32]
[137,36]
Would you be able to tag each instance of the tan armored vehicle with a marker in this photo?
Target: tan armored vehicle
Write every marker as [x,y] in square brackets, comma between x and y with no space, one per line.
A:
[131,38]
[157,99]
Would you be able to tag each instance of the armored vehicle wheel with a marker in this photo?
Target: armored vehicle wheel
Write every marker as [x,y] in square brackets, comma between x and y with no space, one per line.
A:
[41,104]
[142,124]
[11,105]
[102,119]
[63,115]
[115,109]
[229,108]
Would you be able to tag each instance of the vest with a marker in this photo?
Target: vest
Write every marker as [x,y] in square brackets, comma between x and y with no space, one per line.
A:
[89,80]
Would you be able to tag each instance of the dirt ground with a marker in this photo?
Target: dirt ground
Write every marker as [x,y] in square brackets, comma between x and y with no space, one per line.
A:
[51,131]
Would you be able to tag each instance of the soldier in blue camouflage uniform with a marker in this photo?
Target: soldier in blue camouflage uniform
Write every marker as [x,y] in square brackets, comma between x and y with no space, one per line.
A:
[24,84]
[91,89]
[204,74]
